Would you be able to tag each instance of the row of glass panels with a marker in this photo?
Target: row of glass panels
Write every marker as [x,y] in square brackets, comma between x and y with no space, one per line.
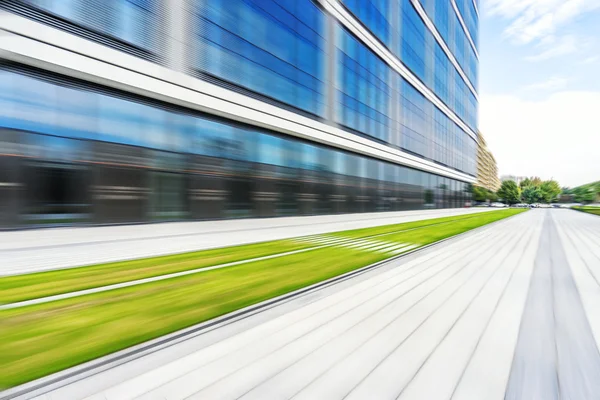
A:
[64,135]
[278,48]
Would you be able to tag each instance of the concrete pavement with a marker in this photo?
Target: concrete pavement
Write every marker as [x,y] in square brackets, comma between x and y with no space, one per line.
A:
[37,250]
[506,311]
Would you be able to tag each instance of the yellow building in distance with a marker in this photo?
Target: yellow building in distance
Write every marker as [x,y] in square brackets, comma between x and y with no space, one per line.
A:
[487,169]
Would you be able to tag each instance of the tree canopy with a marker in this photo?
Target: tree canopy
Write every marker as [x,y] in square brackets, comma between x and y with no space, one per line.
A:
[532,194]
[510,192]
[550,191]
[481,194]
[586,193]
[534,190]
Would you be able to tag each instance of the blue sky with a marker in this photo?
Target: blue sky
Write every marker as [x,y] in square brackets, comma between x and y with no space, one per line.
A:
[540,87]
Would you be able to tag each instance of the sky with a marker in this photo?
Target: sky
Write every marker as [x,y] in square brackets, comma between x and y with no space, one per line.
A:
[539,92]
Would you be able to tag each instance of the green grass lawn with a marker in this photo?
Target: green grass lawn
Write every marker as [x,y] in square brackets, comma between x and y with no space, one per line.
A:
[588,209]
[41,339]
[42,284]
[32,286]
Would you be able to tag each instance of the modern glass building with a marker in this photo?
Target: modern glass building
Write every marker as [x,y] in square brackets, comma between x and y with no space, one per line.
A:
[121,111]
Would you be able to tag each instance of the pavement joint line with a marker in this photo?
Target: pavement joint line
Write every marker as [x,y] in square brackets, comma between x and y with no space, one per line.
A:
[23,229]
[364,245]
[403,249]
[325,240]
[404,280]
[431,313]
[389,249]
[375,246]
[389,245]
[330,241]
[457,217]
[351,327]
[513,253]
[461,267]
[359,244]
[121,285]
[137,282]
[74,374]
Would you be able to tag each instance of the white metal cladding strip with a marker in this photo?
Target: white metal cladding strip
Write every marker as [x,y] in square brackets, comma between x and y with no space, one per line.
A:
[464,26]
[433,29]
[476,7]
[36,44]
[342,15]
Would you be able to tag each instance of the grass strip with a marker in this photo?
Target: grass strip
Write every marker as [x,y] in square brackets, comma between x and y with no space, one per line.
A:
[588,209]
[43,284]
[41,339]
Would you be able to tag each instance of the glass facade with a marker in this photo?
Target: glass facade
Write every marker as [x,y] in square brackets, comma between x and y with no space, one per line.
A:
[363,88]
[131,21]
[136,159]
[375,14]
[278,50]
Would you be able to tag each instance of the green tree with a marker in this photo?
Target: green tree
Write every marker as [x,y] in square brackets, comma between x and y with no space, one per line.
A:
[525,183]
[550,191]
[532,194]
[536,181]
[584,194]
[492,196]
[510,192]
[479,193]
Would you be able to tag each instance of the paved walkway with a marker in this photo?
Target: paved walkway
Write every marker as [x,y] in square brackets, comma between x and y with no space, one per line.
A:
[507,311]
[45,249]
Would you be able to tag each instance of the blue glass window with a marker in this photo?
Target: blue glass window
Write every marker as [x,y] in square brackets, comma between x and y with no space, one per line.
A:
[459,43]
[460,96]
[469,16]
[277,51]
[415,120]
[413,40]
[471,66]
[441,138]
[458,160]
[442,71]
[441,19]
[472,21]
[133,21]
[374,14]
[362,88]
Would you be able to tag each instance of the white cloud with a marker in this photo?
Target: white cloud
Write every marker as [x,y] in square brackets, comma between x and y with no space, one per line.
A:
[591,60]
[534,20]
[556,137]
[554,83]
[553,47]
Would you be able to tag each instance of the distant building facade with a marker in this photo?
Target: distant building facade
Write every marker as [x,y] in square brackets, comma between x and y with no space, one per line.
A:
[487,169]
